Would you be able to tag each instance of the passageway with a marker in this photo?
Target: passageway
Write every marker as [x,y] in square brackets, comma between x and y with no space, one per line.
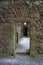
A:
[23,45]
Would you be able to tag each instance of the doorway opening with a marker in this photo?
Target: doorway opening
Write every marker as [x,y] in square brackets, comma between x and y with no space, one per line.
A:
[22,37]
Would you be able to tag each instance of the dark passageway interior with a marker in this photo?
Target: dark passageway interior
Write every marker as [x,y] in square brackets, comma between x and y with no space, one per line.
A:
[25,30]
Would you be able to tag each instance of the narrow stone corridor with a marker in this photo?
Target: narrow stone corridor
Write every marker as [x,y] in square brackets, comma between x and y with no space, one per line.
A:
[23,45]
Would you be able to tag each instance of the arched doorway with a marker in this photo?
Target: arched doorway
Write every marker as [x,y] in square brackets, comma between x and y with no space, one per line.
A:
[22,37]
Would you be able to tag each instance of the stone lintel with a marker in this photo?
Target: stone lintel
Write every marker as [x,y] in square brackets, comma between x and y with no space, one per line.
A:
[22,20]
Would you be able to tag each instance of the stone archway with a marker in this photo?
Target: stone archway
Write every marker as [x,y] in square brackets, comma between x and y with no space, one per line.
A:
[20,12]
[15,32]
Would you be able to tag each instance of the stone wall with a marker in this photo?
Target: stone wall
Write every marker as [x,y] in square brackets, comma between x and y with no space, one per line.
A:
[36,36]
[7,28]
[6,39]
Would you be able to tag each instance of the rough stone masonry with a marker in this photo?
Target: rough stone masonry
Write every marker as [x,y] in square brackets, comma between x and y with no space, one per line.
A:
[20,11]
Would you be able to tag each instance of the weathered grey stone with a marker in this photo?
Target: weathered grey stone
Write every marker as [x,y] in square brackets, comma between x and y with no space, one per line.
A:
[7,19]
